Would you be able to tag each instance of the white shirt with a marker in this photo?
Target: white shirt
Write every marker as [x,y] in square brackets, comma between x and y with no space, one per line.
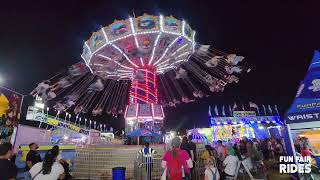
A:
[231,163]
[208,172]
[56,171]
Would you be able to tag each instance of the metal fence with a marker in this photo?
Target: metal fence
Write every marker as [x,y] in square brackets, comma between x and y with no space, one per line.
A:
[97,162]
[150,169]
[92,162]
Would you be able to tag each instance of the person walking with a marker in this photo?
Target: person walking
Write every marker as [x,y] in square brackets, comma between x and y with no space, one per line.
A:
[230,163]
[185,145]
[193,151]
[279,150]
[7,168]
[147,154]
[49,169]
[176,162]
[220,154]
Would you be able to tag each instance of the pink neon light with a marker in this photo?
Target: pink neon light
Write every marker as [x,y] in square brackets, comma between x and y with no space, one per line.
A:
[162,110]
[152,108]
[146,77]
[144,117]
[137,108]
[125,113]
[159,118]
[142,99]
[149,91]
[137,96]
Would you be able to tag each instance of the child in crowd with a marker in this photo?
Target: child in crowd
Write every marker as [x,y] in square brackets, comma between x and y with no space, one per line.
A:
[211,172]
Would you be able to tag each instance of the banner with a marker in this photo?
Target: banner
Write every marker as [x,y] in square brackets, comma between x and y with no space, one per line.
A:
[306,106]
[246,120]
[34,114]
[244,113]
[57,123]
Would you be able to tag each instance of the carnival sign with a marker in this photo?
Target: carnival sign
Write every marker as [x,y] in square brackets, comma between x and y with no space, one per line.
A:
[34,114]
[57,123]
[244,113]
[40,117]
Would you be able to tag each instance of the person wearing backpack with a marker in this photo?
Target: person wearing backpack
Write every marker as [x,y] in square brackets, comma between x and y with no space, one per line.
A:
[211,172]
[177,162]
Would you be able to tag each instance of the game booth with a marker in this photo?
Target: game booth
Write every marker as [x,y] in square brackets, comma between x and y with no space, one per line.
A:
[237,124]
[200,135]
[303,117]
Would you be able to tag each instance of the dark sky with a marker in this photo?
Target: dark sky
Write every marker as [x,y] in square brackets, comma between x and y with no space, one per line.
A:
[38,38]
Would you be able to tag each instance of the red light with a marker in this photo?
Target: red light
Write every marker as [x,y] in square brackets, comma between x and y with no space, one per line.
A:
[145,89]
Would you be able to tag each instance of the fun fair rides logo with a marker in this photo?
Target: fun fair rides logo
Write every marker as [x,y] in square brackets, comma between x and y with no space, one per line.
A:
[301,165]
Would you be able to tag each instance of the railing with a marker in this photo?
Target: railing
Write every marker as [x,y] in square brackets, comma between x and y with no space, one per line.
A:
[150,169]
[147,168]
[97,162]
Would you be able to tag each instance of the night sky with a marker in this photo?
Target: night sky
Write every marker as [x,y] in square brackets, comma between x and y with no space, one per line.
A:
[277,39]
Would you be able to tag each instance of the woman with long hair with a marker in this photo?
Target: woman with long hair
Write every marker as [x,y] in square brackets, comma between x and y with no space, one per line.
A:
[209,152]
[177,162]
[49,169]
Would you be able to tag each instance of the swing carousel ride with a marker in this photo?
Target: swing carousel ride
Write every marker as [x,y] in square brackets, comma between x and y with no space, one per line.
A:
[138,66]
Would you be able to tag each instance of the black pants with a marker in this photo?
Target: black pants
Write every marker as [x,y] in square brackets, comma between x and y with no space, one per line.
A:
[149,167]
[193,171]
[224,175]
[187,176]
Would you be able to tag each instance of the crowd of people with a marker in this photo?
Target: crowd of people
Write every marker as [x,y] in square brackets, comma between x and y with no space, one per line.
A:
[302,146]
[51,167]
[221,159]
[179,161]
[6,129]
[250,152]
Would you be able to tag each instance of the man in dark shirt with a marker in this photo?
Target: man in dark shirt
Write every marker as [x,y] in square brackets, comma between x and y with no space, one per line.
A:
[33,157]
[185,145]
[7,168]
